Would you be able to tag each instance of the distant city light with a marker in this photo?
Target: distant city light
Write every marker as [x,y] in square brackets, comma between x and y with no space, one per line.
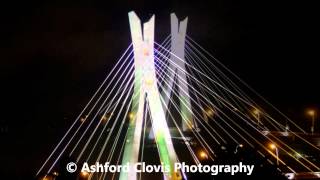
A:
[272,146]
[256,112]
[203,155]
[55,173]
[210,112]
[311,112]
[298,155]
[84,174]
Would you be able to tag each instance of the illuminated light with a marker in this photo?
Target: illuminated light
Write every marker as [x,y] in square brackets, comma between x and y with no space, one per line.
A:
[272,146]
[149,81]
[238,146]
[298,155]
[146,52]
[49,176]
[55,173]
[311,112]
[256,112]
[131,115]
[209,112]
[82,119]
[45,178]
[203,155]
[285,133]
[104,118]
[290,175]
[84,174]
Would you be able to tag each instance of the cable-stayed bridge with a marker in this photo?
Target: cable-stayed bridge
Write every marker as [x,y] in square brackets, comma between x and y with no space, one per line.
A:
[173,102]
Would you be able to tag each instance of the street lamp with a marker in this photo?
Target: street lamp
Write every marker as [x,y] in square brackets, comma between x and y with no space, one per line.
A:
[210,112]
[312,113]
[84,174]
[274,147]
[55,173]
[256,112]
[45,178]
[236,150]
[203,155]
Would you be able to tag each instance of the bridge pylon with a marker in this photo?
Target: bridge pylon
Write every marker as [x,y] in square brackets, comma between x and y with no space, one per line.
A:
[146,90]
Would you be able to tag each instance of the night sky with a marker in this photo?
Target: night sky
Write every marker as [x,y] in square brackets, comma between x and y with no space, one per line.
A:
[53,56]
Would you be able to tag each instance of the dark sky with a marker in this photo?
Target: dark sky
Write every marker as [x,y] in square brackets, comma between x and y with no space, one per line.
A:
[53,56]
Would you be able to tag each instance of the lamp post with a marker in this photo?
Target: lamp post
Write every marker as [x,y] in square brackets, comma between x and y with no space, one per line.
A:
[256,112]
[274,147]
[312,113]
[236,150]
[203,155]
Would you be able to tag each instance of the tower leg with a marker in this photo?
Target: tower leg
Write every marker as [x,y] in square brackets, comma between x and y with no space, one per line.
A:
[178,35]
[146,84]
